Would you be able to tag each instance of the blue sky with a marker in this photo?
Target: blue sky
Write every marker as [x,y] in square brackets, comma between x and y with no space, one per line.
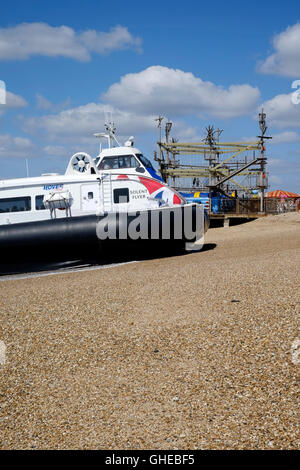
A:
[67,64]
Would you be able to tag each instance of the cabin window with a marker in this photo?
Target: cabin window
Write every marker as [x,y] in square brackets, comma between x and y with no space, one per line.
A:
[15,204]
[114,163]
[128,161]
[109,163]
[39,204]
[121,195]
[91,195]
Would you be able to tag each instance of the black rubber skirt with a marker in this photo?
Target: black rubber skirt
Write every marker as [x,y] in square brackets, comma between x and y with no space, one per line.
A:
[78,236]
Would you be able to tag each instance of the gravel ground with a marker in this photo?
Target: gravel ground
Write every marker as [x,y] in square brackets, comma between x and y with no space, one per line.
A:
[199,351]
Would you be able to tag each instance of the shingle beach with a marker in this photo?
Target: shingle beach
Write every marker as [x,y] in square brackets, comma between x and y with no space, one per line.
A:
[199,351]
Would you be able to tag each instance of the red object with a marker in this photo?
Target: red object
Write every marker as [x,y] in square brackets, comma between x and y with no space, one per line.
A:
[282,194]
[176,199]
[151,185]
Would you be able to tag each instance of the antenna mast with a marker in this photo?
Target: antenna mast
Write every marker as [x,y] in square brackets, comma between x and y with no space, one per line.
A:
[111,129]
[159,120]
[263,182]
[27,167]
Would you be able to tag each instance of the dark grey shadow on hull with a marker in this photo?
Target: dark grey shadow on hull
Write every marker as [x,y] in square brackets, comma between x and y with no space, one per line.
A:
[32,246]
[55,261]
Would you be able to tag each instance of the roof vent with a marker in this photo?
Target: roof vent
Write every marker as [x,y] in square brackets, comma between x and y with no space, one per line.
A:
[129,142]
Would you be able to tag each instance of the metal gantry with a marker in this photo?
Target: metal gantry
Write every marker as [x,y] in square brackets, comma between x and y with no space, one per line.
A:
[210,165]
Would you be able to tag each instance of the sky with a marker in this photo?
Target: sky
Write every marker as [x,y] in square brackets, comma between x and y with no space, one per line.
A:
[68,66]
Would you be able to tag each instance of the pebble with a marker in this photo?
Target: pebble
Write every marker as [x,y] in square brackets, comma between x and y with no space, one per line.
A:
[81,368]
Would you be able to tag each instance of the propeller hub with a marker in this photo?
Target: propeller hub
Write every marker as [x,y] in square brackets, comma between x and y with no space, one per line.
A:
[81,163]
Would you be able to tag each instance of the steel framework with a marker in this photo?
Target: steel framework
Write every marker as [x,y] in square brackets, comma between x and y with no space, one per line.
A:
[219,165]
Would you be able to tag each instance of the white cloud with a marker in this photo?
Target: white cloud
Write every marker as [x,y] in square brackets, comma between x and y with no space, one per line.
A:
[42,102]
[284,173]
[71,129]
[284,166]
[135,102]
[275,162]
[159,89]
[56,151]
[285,60]
[117,38]
[184,132]
[282,112]
[13,101]
[81,122]
[275,179]
[285,138]
[27,39]
[15,147]
[2,92]
[45,104]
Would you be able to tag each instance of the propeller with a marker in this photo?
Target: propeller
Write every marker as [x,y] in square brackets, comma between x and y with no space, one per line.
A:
[81,162]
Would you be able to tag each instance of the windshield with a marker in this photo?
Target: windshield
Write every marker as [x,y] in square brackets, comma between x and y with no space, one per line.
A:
[145,161]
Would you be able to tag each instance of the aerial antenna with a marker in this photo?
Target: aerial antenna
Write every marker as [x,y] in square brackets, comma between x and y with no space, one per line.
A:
[100,135]
[263,183]
[262,122]
[210,137]
[111,129]
[168,128]
[219,132]
[27,167]
[159,120]
[110,136]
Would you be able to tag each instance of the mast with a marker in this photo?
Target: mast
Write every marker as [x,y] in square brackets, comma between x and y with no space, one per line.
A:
[263,180]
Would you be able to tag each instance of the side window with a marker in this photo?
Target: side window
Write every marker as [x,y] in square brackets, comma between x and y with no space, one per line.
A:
[122,161]
[128,161]
[15,204]
[39,205]
[134,163]
[90,195]
[109,163]
[121,195]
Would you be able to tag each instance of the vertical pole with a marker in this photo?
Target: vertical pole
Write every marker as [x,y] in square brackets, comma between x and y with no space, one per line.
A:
[262,206]
[263,128]
[159,119]
[168,130]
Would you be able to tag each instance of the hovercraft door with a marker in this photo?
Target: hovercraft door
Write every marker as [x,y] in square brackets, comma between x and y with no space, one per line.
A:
[90,197]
